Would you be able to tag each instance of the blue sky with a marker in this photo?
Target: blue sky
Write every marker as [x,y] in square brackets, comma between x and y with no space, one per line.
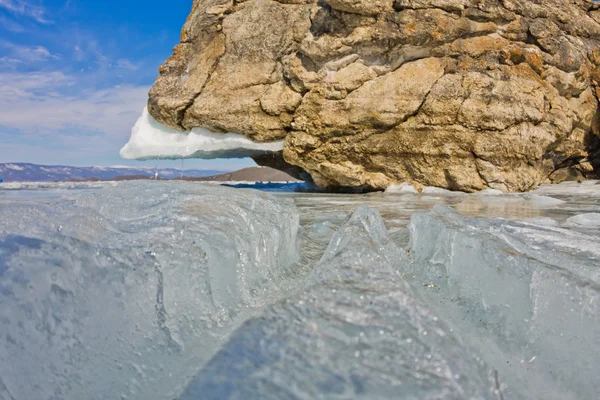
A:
[74,77]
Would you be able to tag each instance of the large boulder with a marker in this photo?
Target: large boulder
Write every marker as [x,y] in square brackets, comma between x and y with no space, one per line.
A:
[460,94]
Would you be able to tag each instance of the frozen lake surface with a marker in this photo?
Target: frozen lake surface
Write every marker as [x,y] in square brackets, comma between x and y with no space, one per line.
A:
[175,290]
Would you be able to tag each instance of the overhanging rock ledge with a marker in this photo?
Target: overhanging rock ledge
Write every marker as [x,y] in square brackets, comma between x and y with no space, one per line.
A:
[460,94]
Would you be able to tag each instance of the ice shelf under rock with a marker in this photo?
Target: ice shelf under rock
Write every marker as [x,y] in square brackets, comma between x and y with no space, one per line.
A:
[126,292]
[356,333]
[525,297]
[152,140]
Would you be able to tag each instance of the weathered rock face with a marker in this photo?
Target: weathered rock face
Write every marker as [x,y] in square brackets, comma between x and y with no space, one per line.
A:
[461,94]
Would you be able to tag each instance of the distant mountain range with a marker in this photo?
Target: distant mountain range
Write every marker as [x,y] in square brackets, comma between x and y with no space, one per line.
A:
[23,172]
[251,174]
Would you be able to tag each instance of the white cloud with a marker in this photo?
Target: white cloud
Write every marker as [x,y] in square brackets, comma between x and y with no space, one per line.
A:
[15,87]
[74,150]
[126,64]
[78,54]
[34,54]
[49,117]
[26,54]
[88,49]
[26,9]
[8,61]
[33,103]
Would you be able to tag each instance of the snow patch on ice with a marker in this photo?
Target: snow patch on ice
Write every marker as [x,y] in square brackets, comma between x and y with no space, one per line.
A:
[152,140]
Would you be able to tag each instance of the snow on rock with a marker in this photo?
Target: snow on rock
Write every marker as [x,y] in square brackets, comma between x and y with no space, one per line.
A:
[152,140]
[526,297]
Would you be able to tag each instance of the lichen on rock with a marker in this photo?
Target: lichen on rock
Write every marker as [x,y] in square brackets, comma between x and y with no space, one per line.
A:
[459,94]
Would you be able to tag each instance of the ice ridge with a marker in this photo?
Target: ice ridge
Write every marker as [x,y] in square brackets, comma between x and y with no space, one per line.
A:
[356,333]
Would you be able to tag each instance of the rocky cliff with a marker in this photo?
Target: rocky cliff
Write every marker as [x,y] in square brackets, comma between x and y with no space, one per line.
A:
[461,94]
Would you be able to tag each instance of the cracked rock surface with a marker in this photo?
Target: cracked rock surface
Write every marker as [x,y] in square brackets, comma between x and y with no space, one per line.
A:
[459,94]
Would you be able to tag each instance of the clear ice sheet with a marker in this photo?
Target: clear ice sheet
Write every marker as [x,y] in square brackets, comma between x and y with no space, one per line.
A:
[124,293]
[135,289]
[525,297]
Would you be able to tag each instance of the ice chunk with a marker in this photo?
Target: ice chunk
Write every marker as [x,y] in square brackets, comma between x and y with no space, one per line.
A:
[152,140]
[491,192]
[509,205]
[585,188]
[542,221]
[589,220]
[525,297]
[402,188]
[406,187]
[513,200]
[356,333]
[542,201]
[436,190]
[125,292]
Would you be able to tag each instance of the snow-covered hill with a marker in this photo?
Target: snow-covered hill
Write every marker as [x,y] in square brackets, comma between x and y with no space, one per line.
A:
[22,172]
